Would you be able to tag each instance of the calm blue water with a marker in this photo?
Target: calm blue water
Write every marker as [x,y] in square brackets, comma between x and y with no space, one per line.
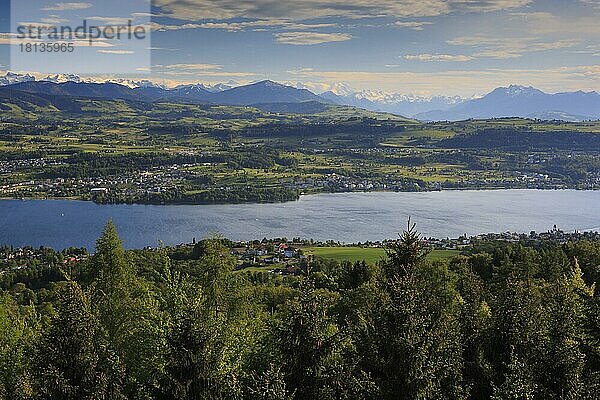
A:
[349,217]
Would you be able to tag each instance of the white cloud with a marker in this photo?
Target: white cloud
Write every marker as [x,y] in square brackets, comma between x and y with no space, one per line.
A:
[414,25]
[116,21]
[68,6]
[54,20]
[188,72]
[300,71]
[462,82]
[595,3]
[593,50]
[439,57]
[310,38]
[257,25]
[191,67]
[498,47]
[545,23]
[162,49]
[120,52]
[197,10]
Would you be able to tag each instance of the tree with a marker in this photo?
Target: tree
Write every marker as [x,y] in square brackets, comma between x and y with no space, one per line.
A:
[317,357]
[19,333]
[518,384]
[111,272]
[214,273]
[128,315]
[406,253]
[267,385]
[73,360]
[562,375]
[519,327]
[194,357]
[211,330]
[475,321]
[417,331]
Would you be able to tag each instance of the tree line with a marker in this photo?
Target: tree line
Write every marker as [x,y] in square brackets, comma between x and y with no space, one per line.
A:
[502,321]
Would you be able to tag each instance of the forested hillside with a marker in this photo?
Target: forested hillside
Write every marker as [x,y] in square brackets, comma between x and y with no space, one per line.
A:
[501,321]
[114,149]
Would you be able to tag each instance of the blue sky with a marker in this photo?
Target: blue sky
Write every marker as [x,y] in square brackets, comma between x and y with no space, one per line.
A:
[451,47]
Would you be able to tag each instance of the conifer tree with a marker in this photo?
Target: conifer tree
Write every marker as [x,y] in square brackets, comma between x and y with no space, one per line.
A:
[74,362]
[518,383]
[418,334]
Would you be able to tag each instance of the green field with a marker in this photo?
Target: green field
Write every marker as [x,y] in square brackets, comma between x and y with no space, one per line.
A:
[369,254]
[170,153]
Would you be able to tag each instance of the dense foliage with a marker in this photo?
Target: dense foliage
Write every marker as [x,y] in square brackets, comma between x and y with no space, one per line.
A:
[503,321]
[123,151]
[524,140]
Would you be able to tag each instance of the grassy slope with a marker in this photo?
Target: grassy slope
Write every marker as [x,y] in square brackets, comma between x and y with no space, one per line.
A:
[369,255]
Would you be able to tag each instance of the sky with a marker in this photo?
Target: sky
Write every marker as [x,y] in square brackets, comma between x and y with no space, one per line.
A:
[422,47]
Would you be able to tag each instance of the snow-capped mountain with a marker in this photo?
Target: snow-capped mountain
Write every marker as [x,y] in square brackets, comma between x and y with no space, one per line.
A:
[338,93]
[62,78]
[130,83]
[216,88]
[11,78]
[377,100]
[133,83]
[522,101]
[221,87]
[511,101]
[406,105]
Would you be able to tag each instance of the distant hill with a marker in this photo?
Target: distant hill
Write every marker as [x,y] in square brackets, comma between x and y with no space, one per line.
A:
[511,139]
[78,89]
[305,107]
[34,102]
[511,101]
[265,92]
[392,103]
[525,102]
[558,116]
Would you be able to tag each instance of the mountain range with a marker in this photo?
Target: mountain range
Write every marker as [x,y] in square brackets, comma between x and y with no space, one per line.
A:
[525,102]
[393,103]
[267,92]
[11,78]
[512,101]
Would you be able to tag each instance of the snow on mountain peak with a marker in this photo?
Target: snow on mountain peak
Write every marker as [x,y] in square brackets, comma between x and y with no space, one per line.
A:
[10,78]
[62,78]
[517,90]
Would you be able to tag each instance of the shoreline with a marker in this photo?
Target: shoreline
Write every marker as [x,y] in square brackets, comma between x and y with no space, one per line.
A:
[301,195]
[348,217]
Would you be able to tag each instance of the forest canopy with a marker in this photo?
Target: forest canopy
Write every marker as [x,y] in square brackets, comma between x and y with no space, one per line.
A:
[501,321]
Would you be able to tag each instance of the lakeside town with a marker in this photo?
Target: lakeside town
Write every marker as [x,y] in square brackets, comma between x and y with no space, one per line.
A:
[281,256]
[171,183]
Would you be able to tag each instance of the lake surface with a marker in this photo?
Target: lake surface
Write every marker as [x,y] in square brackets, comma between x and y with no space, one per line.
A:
[349,217]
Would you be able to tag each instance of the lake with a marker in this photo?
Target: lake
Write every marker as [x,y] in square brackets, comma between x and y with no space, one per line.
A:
[348,217]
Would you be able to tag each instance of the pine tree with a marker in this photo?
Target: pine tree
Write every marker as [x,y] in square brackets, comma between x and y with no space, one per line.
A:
[518,383]
[316,354]
[111,271]
[128,314]
[519,328]
[73,359]
[564,366]
[211,331]
[475,321]
[406,253]
[417,329]
[19,333]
